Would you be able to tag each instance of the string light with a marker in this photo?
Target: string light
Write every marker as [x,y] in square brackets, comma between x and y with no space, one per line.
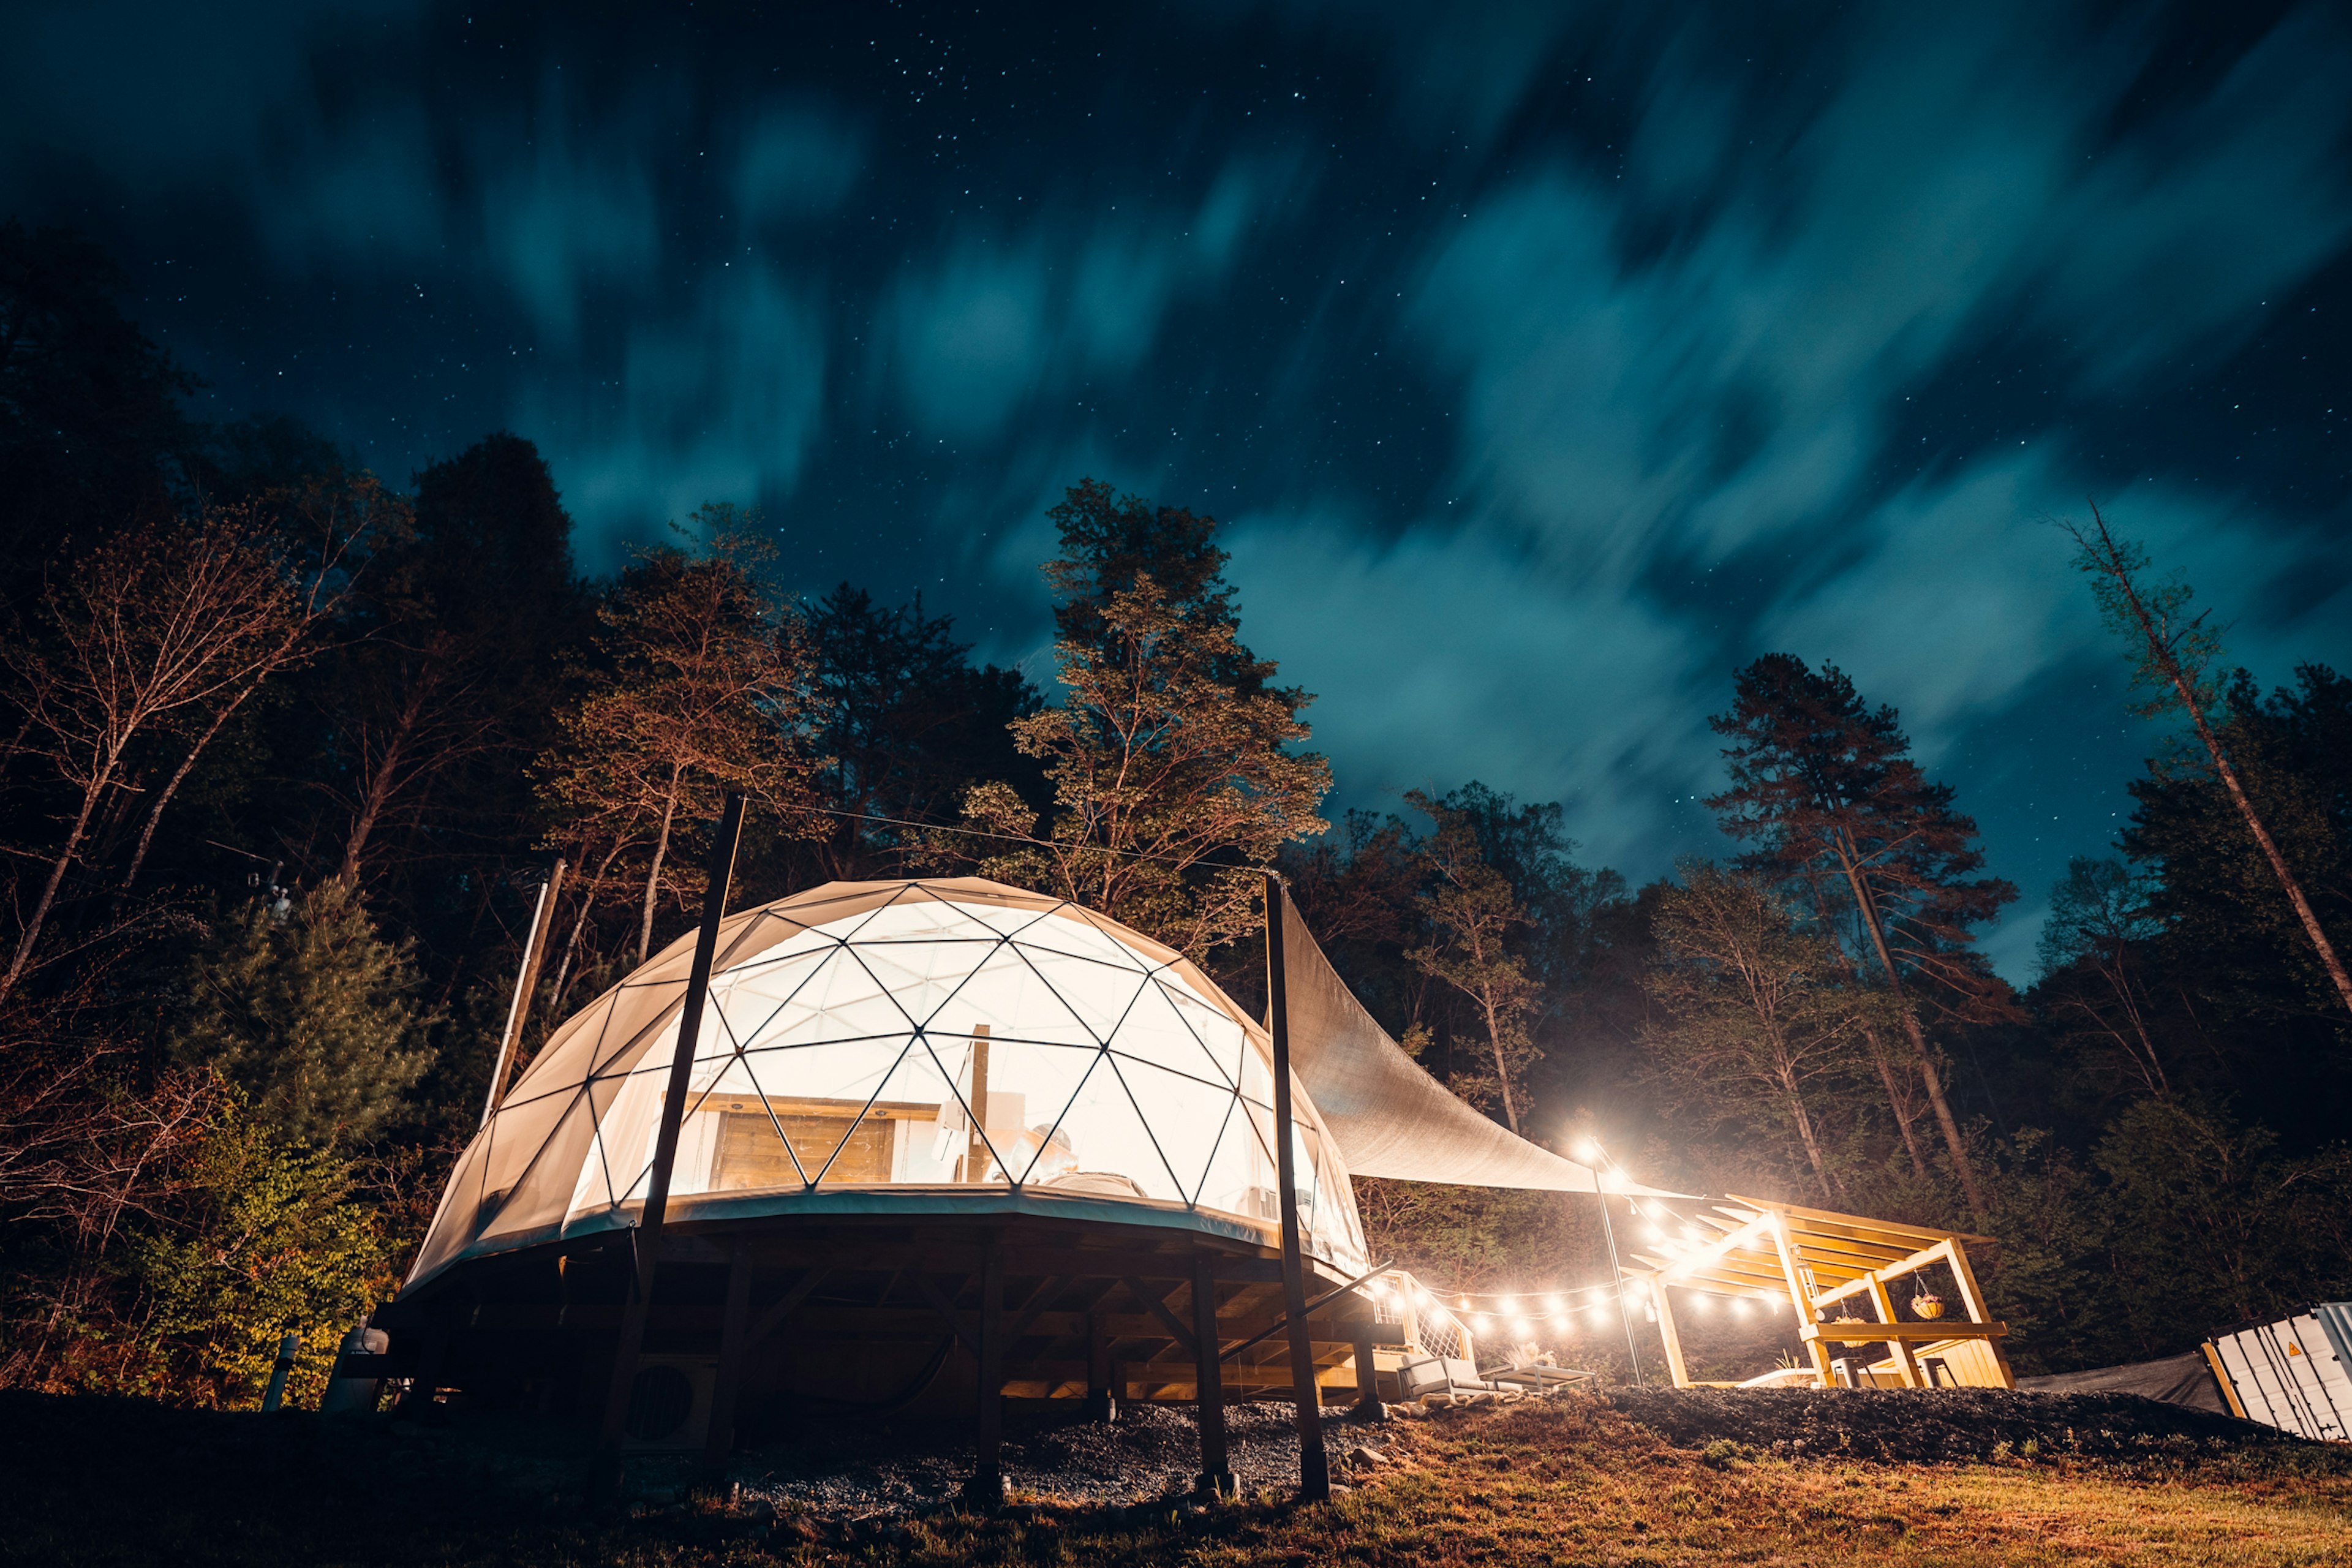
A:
[1552,1306]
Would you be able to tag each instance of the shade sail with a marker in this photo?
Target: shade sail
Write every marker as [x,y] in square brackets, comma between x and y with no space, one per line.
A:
[1388,1117]
[924,1047]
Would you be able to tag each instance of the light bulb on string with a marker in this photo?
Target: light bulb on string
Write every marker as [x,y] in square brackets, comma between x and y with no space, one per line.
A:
[1552,1306]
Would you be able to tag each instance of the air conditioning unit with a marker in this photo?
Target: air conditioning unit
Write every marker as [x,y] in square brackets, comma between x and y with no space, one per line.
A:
[669,1405]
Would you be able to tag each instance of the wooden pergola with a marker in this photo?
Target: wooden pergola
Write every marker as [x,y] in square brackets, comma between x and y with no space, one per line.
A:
[1834,1270]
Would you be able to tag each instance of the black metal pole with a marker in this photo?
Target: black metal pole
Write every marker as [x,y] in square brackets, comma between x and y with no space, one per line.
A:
[1314,1468]
[1623,1312]
[646,1238]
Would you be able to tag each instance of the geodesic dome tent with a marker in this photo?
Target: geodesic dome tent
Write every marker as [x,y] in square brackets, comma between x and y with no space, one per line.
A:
[951,1046]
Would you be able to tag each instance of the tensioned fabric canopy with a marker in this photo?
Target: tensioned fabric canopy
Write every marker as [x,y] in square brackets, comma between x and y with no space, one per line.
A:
[1388,1117]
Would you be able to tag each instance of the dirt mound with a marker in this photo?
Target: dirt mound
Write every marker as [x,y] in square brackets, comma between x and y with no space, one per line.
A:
[1932,1423]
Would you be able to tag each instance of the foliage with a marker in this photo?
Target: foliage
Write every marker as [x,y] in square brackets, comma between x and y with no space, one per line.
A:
[2213,890]
[1758,1011]
[1825,788]
[269,1239]
[1171,756]
[702,688]
[1472,911]
[908,724]
[2094,956]
[315,1017]
[2176,660]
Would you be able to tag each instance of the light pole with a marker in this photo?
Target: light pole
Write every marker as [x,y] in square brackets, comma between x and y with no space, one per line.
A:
[1617,1274]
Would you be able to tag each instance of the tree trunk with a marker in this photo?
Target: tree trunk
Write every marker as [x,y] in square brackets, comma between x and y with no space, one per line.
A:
[179,777]
[1502,1073]
[101,777]
[653,876]
[2182,688]
[1895,1101]
[1829,1191]
[378,792]
[1868,907]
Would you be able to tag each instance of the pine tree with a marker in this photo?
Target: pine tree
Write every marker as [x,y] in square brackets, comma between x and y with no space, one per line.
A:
[2177,662]
[313,1015]
[1826,789]
[1171,756]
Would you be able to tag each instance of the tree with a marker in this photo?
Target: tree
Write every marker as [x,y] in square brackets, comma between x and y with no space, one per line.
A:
[909,723]
[134,635]
[702,686]
[2225,929]
[91,434]
[1759,1008]
[314,1016]
[1169,756]
[2099,925]
[269,1239]
[2175,656]
[458,639]
[1472,913]
[1825,787]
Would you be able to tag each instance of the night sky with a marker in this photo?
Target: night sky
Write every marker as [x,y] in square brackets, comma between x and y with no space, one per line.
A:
[1547,361]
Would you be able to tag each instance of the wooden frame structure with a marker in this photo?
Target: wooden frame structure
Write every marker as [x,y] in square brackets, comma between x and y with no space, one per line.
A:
[1820,1263]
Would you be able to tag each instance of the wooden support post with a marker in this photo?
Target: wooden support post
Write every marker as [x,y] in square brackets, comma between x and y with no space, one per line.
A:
[1801,1299]
[734,1320]
[1368,1375]
[645,1239]
[1313,1465]
[1216,1477]
[1673,1340]
[1906,1365]
[534,954]
[1102,1400]
[1972,1296]
[986,1487]
[976,1150]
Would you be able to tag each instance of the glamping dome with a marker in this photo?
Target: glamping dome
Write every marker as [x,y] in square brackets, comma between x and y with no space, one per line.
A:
[921,1047]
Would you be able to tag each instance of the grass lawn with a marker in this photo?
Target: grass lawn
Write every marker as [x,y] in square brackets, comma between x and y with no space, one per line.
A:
[107,1483]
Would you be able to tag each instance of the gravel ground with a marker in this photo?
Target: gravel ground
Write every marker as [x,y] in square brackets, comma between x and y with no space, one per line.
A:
[1151,1452]
[1931,1424]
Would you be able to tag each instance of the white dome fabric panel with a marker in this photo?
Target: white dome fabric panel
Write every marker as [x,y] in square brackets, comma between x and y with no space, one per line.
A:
[914,1042]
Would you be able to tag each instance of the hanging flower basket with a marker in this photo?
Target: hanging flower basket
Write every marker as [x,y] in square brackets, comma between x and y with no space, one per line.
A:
[1929,1308]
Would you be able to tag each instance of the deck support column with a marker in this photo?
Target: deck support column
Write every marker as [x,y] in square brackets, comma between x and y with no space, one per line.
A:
[1216,1477]
[1102,1400]
[1368,1375]
[1313,1465]
[720,1441]
[986,1487]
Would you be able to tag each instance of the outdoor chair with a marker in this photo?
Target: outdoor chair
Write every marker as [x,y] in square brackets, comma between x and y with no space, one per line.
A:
[1536,1377]
[1448,1378]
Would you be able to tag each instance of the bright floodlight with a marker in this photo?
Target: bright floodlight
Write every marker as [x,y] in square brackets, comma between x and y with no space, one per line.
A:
[1589,1152]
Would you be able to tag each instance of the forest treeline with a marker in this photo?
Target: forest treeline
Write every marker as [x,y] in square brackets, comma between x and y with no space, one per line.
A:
[290,752]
